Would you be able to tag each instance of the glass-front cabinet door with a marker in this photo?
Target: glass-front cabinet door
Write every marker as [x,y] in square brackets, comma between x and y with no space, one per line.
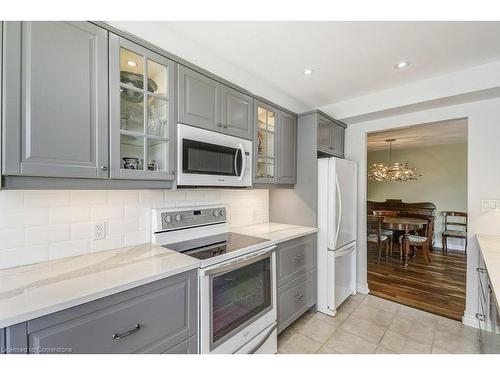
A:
[266,143]
[142,121]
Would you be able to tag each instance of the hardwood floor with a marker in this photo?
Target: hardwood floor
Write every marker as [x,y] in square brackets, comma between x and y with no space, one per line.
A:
[438,287]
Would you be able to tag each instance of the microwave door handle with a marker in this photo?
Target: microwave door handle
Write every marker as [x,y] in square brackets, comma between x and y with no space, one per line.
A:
[242,162]
[236,162]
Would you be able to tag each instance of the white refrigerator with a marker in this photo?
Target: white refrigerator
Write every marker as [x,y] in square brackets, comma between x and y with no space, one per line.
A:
[336,243]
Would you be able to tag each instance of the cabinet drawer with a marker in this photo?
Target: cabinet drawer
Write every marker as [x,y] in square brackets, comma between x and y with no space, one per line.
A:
[294,258]
[190,346]
[148,319]
[295,298]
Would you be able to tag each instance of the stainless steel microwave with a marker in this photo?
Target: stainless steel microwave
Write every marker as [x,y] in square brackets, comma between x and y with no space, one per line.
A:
[207,158]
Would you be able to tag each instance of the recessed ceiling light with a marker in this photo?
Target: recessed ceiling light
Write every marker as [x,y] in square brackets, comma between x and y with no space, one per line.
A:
[402,64]
[131,63]
[308,71]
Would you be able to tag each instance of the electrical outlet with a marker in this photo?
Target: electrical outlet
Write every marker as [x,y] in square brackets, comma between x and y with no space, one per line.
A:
[490,205]
[99,231]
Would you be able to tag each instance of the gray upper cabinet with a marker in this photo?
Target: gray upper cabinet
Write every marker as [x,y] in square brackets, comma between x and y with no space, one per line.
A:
[55,118]
[287,133]
[330,137]
[266,143]
[142,119]
[237,113]
[199,99]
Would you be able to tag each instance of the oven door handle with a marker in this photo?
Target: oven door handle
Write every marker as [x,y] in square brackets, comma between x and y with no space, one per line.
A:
[241,263]
[243,162]
[264,339]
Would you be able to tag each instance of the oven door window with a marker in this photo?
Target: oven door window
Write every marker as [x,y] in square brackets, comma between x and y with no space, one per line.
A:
[238,298]
[207,158]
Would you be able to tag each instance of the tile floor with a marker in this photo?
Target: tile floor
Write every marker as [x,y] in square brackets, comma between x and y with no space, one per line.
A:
[368,324]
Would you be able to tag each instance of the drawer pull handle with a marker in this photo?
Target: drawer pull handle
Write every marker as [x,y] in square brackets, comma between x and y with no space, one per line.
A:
[480,317]
[489,289]
[481,270]
[119,336]
[299,297]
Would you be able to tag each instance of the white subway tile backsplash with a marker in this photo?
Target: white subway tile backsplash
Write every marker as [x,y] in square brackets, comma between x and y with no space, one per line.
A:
[91,197]
[110,242]
[136,238]
[123,196]
[61,215]
[106,212]
[38,225]
[68,249]
[80,231]
[152,196]
[47,234]
[122,226]
[46,199]
[24,255]
[11,238]
[11,199]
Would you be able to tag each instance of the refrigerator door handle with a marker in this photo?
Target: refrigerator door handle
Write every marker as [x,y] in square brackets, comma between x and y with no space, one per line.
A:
[339,210]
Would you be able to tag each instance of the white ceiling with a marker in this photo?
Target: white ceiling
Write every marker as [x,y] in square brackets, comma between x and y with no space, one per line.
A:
[432,134]
[349,58]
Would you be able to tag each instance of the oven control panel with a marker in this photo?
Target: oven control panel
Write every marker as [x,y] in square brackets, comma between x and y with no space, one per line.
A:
[189,218]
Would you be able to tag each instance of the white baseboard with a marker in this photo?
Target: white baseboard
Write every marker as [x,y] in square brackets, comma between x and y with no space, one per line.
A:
[362,288]
[451,246]
[470,320]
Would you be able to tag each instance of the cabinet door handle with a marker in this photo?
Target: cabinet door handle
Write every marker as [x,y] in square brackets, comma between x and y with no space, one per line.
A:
[481,270]
[226,126]
[104,168]
[299,257]
[171,172]
[480,317]
[119,336]
[299,297]
[489,289]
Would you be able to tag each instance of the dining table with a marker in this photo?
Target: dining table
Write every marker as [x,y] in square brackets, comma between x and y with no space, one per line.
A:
[404,224]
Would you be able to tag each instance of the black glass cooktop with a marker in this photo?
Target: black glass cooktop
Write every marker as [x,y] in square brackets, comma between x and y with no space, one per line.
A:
[212,246]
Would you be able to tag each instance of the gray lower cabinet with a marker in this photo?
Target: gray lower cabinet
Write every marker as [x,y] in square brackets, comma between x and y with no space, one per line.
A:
[296,278]
[159,317]
[2,341]
[237,113]
[287,135]
[190,346]
[330,136]
[198,99]
[55,115]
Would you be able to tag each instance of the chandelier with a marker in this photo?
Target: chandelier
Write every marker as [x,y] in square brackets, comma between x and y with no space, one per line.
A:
[400,172]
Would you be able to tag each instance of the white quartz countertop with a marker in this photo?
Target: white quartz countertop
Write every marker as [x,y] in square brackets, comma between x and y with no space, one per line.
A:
[490,248]
[28,292]
[275,231]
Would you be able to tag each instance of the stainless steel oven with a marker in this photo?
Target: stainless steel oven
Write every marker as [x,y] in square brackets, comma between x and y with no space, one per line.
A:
[207,158]
[238,303]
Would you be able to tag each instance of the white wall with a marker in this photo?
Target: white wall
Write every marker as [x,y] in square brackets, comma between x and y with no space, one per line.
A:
[443,181]
[37,226]
[483,176]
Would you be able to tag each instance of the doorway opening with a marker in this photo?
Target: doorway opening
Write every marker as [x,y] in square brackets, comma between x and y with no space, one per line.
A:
[417,216]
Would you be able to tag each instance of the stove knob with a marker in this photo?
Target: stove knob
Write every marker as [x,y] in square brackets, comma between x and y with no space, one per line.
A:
[215,213]
[177,217]
[221,212]
[168,219]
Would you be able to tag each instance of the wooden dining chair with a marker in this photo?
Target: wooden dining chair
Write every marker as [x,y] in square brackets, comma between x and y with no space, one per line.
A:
[416,241]
[387,232]
[376,236]
[455,228]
